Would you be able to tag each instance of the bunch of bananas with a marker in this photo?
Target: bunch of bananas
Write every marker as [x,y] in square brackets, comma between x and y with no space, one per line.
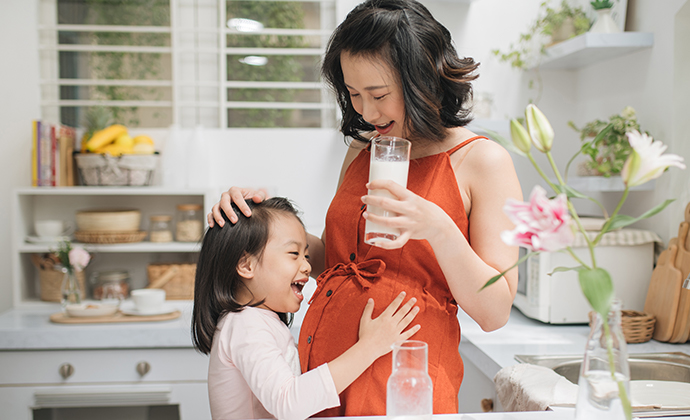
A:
[115,141]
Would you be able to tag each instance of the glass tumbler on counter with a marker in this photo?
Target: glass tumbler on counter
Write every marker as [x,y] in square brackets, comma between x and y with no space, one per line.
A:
[409,393]
[160,228]
[390,159]
[190,225]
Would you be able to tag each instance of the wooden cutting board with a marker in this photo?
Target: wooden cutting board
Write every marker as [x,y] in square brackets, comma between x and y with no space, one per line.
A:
[664,293]
[681,329]
[61,318]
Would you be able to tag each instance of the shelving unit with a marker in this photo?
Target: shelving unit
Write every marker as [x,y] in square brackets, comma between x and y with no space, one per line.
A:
[590,48]
[30,204]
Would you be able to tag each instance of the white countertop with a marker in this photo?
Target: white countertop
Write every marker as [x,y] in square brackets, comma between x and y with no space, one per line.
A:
[31,329]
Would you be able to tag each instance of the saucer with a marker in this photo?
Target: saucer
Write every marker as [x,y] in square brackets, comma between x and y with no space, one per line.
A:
[47,239]
[128,308]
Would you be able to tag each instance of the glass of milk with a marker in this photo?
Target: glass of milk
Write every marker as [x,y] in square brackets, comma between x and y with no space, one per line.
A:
[390,159]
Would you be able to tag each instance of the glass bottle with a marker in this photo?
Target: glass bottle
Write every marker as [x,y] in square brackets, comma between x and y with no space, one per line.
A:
[160,228]
[69,290]
[600,396]
[189,226]
[409,393]
[111,286]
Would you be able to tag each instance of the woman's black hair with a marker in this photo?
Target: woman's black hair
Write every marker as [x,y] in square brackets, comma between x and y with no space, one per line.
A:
[217,281]
[435,81]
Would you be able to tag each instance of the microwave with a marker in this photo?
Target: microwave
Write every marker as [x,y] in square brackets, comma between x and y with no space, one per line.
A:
[556,298]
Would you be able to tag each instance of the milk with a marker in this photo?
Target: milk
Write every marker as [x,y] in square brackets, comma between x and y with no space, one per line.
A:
[396,171]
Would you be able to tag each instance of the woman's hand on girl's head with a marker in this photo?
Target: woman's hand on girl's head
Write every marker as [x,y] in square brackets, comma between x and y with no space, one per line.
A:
[416,218]
[380,333]
[238,196]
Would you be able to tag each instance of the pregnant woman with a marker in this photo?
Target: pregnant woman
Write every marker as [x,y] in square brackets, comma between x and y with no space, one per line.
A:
[395,72]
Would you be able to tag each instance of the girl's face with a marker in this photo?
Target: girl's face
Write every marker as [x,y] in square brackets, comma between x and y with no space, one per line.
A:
[375,93]
[284,268]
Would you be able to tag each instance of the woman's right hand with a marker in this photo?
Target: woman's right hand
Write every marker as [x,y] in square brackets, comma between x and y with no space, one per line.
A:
[380,333]
[238,196]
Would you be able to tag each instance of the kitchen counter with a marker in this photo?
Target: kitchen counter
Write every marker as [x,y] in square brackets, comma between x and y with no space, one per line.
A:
[31,329]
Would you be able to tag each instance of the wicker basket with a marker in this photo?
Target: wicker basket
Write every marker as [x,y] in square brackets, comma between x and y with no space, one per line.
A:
[105,170]
[638,327]
[109,237]
[180,286]
[50,280]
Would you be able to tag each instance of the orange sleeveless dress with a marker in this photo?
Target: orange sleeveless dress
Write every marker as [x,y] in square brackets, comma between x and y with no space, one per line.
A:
[359,271]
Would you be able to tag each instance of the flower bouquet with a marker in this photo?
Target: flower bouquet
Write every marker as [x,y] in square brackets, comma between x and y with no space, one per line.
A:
[73,260]
[544,224]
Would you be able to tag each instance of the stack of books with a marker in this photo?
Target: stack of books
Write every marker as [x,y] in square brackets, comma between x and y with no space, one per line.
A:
[52,160]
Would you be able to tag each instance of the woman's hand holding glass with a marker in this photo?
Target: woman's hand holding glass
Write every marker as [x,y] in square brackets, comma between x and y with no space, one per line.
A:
[416,218]
[238,196]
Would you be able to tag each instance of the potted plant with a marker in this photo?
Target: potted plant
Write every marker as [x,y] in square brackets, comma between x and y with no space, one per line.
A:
[605,143]
[604,22]
[552,26]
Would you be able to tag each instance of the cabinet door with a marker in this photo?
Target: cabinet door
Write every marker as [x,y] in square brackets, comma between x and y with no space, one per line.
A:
[477,391]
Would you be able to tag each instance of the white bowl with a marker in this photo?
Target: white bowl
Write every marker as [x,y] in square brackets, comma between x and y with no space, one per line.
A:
[91,309]
[148,301]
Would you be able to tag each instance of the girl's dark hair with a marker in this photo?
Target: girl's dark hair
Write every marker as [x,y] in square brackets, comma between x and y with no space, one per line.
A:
[217,282]
[435,81]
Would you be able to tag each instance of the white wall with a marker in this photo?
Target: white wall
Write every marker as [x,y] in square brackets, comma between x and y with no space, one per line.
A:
[305,163]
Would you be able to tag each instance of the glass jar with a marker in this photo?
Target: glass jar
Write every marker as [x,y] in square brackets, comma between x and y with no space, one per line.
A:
[189,226]
[160,228]
[409,392]
[111,285]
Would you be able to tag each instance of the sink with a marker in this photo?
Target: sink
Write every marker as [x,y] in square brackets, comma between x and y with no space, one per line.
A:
[643,366]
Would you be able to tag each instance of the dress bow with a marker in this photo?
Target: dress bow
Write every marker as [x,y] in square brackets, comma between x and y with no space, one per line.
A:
[364,274]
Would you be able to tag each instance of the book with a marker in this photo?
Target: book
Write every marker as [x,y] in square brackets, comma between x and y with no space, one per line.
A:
[52,155]
[34,153]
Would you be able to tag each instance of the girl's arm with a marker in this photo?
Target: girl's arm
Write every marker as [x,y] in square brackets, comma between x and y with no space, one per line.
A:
[467,267]
[254,350]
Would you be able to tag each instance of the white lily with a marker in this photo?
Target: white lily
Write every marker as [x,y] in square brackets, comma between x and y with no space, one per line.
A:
[539,128]
[646,161]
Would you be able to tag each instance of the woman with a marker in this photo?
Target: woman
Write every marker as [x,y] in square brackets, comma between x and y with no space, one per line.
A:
[395,73]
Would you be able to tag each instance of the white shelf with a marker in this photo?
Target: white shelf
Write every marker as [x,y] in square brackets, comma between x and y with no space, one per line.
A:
[109,191]
[122,248]
[590,48]
[603,184]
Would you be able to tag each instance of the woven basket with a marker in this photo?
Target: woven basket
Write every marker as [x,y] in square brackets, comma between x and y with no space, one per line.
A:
[109,237]
[51,282]
[638,327]
[180,286]
[125,170]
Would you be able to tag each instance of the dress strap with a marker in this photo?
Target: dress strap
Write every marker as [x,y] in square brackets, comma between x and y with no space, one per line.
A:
[465,143]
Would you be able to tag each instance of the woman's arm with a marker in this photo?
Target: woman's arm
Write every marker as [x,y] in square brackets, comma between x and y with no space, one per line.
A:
[488,173]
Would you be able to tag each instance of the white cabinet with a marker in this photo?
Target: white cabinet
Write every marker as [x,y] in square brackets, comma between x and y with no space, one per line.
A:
[56,382]
[30,204]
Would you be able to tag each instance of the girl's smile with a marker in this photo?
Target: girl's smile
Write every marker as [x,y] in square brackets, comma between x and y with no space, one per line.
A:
[375,93]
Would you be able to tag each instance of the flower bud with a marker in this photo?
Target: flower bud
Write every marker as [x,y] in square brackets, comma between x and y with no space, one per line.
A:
[520,136]
[539,128]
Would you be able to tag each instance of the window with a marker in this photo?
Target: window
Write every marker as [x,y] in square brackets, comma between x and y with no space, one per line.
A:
[217,63]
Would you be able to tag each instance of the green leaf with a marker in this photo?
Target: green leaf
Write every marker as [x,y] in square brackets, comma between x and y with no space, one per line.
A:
[503,142]
[495,278]
[622,220]
[562,269]
[597,287]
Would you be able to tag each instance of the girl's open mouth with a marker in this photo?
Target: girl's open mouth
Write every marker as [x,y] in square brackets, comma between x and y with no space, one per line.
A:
[297,287]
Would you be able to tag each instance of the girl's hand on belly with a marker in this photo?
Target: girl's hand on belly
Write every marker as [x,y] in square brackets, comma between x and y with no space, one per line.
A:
[380,333]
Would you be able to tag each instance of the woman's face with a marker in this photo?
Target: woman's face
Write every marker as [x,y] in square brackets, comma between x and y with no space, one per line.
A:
[375,93]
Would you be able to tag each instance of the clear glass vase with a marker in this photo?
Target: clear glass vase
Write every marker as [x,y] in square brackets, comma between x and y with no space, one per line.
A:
[604,384]
[409,393]
[69,291]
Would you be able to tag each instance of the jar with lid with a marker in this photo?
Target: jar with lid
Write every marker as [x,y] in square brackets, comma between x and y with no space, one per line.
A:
[189,226]
[160,228]
[111,285]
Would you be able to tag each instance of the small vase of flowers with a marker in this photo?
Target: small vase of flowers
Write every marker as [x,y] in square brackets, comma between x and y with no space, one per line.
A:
[73,260]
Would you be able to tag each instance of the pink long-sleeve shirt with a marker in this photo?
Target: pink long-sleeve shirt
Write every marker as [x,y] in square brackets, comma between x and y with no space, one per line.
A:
[254,371]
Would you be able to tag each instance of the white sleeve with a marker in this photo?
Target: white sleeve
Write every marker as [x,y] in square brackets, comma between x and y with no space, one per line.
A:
[255,352]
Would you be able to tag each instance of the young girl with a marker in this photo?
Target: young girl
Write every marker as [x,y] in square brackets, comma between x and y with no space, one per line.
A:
[249,281]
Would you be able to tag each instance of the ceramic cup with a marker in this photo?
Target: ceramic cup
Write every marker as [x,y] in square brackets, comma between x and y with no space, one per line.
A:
[148,301]
[52,228]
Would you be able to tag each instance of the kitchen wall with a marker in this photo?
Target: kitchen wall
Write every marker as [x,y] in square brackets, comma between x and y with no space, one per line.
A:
[656,82]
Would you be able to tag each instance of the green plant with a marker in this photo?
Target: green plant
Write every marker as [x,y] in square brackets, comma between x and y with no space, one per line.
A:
[608,148]
[601,4]
[532,44]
